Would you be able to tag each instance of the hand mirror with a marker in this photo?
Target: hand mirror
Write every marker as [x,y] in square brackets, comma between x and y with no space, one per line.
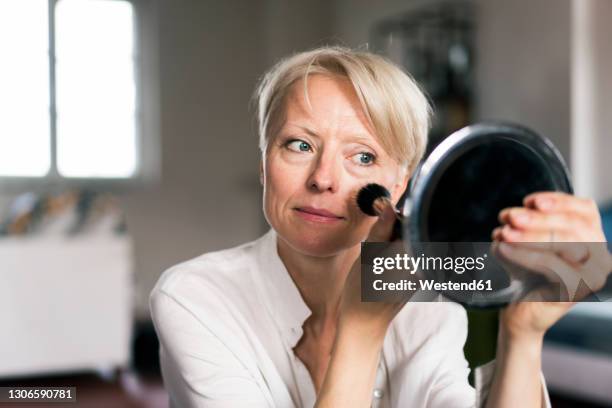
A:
[457,192]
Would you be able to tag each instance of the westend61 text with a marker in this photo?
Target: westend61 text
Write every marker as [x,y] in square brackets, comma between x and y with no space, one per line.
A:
[429,284]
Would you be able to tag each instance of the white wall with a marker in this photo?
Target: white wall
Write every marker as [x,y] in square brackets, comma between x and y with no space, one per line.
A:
[353,19]
[295,25]
[592,98]
[523,65]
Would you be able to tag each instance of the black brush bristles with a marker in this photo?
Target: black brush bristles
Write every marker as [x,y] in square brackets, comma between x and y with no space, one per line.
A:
[368,194]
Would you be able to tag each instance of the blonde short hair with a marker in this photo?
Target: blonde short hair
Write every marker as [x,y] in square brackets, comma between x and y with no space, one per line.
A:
[393,103]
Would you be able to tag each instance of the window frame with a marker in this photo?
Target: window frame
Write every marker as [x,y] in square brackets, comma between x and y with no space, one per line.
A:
[147,149]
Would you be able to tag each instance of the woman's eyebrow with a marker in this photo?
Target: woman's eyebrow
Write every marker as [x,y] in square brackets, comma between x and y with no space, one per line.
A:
[364,138]
[304,127]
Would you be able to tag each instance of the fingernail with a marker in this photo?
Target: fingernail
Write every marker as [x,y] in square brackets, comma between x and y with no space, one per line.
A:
[522,218]
[512,233]
[494,233]
[503,213]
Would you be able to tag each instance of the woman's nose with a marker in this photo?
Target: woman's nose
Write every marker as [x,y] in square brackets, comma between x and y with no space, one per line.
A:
[325,174]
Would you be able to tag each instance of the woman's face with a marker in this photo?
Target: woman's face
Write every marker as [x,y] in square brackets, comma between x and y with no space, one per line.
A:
[316,163]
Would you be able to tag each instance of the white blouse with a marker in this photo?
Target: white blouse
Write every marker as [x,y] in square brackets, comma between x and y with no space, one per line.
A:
[228,321]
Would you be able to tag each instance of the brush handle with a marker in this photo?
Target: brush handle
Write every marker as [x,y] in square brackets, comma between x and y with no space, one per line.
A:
[378,207]
[396,232]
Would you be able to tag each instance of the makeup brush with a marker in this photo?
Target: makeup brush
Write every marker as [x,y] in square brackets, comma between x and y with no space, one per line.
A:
[372,199]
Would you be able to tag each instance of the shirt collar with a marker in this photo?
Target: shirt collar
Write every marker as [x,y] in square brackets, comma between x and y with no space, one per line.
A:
[286,304]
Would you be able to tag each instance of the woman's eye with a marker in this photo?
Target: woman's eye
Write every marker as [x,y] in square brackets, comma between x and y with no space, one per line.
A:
[299,146]
[364,158]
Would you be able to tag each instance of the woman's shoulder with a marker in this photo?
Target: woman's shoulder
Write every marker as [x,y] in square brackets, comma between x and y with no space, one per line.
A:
[221,271]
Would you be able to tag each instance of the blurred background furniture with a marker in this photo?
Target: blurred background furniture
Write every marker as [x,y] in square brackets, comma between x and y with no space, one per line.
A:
[66,299]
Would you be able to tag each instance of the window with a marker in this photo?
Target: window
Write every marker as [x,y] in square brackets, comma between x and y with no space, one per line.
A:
[68,105]
[24,88]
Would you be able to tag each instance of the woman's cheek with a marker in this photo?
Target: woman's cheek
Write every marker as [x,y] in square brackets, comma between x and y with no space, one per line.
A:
[364,226]
[279,165]
[282,181]
[384,176]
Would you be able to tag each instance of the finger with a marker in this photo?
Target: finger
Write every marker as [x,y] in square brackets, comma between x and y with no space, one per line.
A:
[510,257]
[496,234]
[555,201]
[576,253]
[544,236]
[382,230]
[545,263]
[560,242]
[516,216]
[525,218]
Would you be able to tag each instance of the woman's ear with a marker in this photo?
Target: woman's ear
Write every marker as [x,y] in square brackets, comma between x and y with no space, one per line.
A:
[401,185]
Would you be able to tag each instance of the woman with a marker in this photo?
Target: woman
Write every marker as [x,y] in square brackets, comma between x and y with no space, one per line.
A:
[278,322]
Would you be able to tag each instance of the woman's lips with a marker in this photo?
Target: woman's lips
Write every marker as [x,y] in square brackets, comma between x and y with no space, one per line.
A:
[317,215]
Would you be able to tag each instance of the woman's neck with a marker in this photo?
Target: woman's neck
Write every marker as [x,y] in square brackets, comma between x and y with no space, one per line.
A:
[320,280]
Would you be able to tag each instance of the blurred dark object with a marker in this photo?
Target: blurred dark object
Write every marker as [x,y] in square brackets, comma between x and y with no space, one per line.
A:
[435,44]
[480,345]
[145,349]
[606,219]
[561,401]
[588,327]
